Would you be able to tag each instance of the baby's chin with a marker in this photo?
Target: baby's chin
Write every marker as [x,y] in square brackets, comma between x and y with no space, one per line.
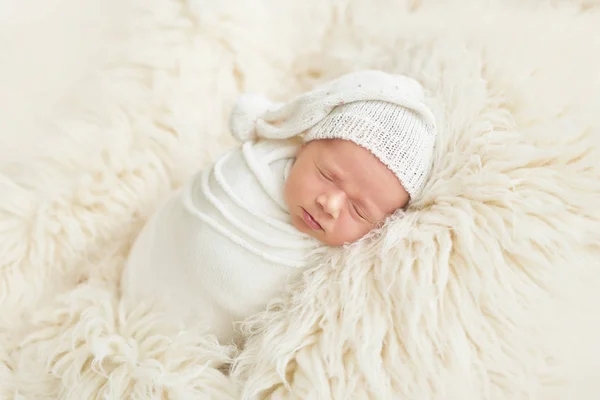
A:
[300,225]
[321,236]
[326,238]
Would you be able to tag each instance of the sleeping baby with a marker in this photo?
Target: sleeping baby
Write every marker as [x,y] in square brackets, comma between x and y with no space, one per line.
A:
[324,169]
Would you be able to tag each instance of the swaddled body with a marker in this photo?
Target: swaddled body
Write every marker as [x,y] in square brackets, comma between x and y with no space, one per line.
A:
[220,248]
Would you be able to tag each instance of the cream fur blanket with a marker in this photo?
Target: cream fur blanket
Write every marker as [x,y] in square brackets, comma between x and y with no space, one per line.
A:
[485,289]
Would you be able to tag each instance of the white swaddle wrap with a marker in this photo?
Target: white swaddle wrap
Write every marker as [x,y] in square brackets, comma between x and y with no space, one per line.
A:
[222,246]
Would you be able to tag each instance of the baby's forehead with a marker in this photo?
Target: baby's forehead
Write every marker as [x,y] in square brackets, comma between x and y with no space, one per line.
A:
[351,163]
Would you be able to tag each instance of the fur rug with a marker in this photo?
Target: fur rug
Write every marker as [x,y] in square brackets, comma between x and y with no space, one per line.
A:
[484,289]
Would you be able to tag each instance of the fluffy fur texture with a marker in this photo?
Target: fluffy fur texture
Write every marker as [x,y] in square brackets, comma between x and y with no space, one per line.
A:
[485,288]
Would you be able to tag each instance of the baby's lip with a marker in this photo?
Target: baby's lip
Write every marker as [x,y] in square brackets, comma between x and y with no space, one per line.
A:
[311,221]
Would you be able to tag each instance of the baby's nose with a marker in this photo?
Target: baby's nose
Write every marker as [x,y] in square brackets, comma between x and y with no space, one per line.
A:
[332,203]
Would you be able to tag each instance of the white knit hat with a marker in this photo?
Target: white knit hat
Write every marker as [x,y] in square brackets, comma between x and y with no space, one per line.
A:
[397,136]
[382,112]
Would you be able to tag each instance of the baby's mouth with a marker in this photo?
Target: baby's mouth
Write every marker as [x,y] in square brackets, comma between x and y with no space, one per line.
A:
[310,221]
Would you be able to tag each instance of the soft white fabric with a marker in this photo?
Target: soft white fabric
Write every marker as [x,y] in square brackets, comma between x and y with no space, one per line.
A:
[385,113]
[487,288]
[223,247]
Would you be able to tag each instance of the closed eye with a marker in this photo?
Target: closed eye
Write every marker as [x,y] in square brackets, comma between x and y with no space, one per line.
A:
[357,211]
[324,175]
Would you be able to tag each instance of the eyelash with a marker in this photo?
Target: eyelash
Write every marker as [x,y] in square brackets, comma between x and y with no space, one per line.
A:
[358,212]
[325,176]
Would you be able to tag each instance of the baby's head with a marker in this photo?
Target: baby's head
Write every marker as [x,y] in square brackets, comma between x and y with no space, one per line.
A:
[368,145]
[360,164]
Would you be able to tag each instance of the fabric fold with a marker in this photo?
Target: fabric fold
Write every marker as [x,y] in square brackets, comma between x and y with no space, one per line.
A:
[222,246]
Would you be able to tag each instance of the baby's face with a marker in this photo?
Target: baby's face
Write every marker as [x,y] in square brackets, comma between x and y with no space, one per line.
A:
[338,191]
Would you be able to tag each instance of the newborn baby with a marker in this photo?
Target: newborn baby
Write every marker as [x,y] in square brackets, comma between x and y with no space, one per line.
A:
[322,170]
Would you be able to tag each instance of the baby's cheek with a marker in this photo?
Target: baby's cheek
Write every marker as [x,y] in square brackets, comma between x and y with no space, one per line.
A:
[308,187]
[348,230]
